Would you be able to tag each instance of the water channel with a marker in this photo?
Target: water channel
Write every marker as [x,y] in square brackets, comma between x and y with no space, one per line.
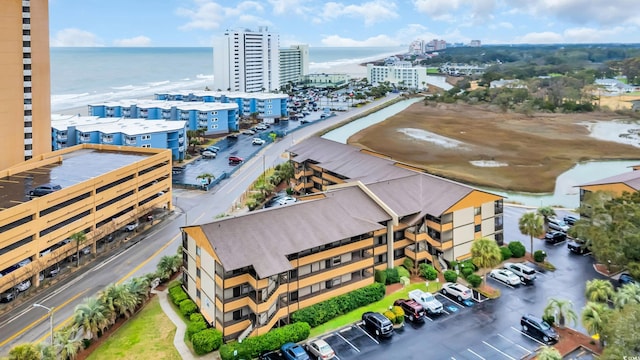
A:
[566,193]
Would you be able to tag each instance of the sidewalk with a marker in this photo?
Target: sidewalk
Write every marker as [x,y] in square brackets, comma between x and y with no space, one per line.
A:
[181,327]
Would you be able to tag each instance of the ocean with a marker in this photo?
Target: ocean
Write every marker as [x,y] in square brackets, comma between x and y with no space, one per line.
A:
[80,76]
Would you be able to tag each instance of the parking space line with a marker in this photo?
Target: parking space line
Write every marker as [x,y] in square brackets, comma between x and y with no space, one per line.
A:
[347,341]
[515,343]
[501,282]
[498,350]
[366,333]
[473,352]
[529,336]
[452,300]
[430,319]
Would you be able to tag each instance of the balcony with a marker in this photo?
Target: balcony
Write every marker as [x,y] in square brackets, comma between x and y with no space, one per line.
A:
[107,140]
[354,279]
[203,124]
[498,207]
[131,142]
[61,137]
[417,256]
[85,138]
[302,173]
[181,139]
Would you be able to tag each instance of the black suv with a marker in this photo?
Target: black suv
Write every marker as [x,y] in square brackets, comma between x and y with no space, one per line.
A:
[44,189]
[554,237]
[577,246]
[378,323]
[539,329]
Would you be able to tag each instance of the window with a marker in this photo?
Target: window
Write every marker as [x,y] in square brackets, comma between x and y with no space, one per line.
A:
[293,274]
[237,315]
[198,293]
[293,296]
[477,211]
[198,250]
[478,228]
[145,137]
[145,145]
[198,273]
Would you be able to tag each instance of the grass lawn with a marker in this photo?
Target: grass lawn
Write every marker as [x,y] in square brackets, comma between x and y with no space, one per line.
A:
[149,335]
[380,306]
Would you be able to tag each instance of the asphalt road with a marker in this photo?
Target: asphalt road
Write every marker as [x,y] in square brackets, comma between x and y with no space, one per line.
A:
[24,323]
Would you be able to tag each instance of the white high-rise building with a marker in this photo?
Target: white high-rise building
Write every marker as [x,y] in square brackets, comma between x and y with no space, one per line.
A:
[247,61]
[294,64]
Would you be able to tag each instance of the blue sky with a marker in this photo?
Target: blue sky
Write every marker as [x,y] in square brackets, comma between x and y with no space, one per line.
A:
[344,23]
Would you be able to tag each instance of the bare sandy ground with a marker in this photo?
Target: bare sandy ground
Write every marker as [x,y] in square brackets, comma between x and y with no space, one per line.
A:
[479,145]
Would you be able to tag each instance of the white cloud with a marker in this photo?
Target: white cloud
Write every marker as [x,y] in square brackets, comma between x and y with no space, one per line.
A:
[599,12]
[209,15]
[437,9]
[338,41]
[591,35]
[546,37]
[285,7]
[75,37]
[137,41]
[372,11]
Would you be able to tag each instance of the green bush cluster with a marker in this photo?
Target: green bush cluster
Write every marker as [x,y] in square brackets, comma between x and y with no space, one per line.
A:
[506,253]
[177,295]
[380,276]
[408,263]
[322,312]
[450,275]
[390,315]
[195,327]
[466,271]
[474,280]
[251,347]
[428,271]
[206,341]
[539,255]
[392,276]
[403,272]
[188,307]
[517,249]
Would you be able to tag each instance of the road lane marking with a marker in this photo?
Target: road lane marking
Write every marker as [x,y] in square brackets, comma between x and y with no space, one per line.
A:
[498,350]
[139,266]
[474,353]
[43,317]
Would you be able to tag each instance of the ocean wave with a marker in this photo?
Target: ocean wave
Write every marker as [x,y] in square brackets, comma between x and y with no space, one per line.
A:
[205,77]
[349,61]
[67,96]
[126,87]
[158,83]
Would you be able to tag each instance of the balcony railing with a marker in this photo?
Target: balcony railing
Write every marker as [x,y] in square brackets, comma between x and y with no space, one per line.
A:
[354,278]
[130,141]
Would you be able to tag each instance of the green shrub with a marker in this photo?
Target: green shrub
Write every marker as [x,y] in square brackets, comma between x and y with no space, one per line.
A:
[517,249]
[403,272]
[196,317]
[206,341]
[506,253]
[188,307]
[392,276]
[428,271]
[469,264]
[399,314]
[380,276]
[450,276]
[539,255]
[177,295]
[390,315]
[324,311]
[194,327]
[408,264]
[251,347]
[474,280]
[453,264]
[466,271]
[549,319]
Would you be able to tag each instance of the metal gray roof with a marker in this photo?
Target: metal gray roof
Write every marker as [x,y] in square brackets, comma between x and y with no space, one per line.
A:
[631,179]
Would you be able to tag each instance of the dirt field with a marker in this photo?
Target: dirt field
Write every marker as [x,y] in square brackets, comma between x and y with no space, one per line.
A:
[512,151]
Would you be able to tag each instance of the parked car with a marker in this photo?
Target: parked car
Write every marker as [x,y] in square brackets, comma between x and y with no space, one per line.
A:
[557,224]
[262,126]
[539,329]
[456,290]
[506,276]
[286,200]
[570,220]
[305,121]
[293,351]
[8,295]
[249,132]
[524,272]
[578,246]
[44,189]
[235,160]
[257,141]
[270,355]
[232,136]
[24,286]
[320,349]
[377,323]
[212,148]
[427,300]
[412,310]
[208,154]
[132,226]
[625,279]
[555,237]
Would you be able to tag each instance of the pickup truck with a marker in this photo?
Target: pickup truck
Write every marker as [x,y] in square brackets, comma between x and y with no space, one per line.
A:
[427,300]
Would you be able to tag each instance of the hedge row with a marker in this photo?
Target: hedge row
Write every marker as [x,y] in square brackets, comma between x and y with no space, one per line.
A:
[251,347]
[324,311]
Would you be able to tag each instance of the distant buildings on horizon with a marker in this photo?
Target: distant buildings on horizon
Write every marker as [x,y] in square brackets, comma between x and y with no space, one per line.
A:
[421,47]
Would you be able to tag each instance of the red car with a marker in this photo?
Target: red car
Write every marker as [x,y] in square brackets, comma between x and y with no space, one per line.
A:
[235,160]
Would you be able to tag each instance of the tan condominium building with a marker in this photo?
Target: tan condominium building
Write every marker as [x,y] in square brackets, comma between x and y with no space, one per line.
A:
[249,273]
[616,184]
[95,189]
[25,101]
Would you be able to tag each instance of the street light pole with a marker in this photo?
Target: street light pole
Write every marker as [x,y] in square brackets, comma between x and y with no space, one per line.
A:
[50,311]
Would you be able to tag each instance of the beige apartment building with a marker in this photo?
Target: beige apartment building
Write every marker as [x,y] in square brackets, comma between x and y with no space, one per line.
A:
[249,273]
[25,100]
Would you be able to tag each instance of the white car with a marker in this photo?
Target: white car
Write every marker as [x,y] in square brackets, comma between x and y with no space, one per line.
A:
[456,290]
[506,276]
[262,126]
[23,286]
[249,132]
[209,154]
[257,141]
[320,349]
[131,227]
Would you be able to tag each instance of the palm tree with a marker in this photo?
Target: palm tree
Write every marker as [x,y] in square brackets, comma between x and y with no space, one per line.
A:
[548,353]
[168,265]
[47,351]
[546,212]
[599,290]
[119,300]
[561,310]
[486,254]
[140,286]
[79,238]
[627,294]
[207,176]
[92,316]
[531,224]
[594,317]
[68,342]
[26,351]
